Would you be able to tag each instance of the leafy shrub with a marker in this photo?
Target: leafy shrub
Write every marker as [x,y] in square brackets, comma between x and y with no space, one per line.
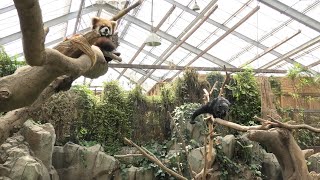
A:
[60,110]
[189,89]
[214,77]
[8,65]
[247,102]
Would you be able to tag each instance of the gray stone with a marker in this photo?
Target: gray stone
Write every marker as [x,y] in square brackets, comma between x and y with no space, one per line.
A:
[270,167]
[228,144]
[73,160]
[137,173]
[27,167]
[19,161]
[128,150]
[215,175]
[196,158]
[41,139]
[314,163]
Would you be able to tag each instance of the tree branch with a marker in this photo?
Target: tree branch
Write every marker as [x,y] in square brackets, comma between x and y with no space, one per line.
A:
[31,24]
[155,160]
[293,126]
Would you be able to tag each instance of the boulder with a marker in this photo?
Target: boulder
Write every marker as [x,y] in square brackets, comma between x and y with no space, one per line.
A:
[137,173]
[196,158]
[41,140]
[17,162]
[314,163]
[228,144]
[85,163]
[270,167]
[130,159]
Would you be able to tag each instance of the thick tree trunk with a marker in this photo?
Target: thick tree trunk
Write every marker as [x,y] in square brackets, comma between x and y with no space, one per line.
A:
[282,144]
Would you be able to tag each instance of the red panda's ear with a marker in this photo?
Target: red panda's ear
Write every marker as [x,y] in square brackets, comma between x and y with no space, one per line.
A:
[114,26]
[94,22]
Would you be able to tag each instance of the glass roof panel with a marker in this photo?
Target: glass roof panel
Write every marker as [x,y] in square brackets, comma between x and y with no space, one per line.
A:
[9,23]
[148,84]
[267,27]
[171,19]
[5,3]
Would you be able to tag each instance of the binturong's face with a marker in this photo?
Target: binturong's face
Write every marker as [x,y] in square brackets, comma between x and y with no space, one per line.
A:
[221,107]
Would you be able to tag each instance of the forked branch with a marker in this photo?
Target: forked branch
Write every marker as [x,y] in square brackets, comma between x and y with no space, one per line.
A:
[225,82]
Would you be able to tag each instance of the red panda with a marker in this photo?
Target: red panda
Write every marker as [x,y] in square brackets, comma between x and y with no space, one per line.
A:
[106,28]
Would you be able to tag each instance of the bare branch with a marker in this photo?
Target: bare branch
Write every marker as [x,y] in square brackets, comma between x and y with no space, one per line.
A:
[128,155]
[241,127]
[155,160]
[292,126]
[307,153]
[111,55]
[125,11]
[214,87]
[226,81]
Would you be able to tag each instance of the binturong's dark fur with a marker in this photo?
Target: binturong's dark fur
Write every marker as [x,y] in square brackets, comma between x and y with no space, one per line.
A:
[218,108]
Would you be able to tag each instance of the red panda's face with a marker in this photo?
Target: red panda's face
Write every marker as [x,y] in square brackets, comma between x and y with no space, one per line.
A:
[104,26]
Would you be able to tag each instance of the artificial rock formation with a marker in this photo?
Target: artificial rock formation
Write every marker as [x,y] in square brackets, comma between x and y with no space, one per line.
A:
[73,160]
[28,154]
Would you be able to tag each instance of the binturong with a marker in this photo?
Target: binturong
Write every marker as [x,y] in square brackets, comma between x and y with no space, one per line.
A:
[218,108]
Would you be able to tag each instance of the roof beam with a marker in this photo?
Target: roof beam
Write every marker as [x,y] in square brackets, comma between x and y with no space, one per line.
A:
[78,18]
[122,41]
[7,9]
[314,64]
[129,78]
[125,29]
[235,33]
[184,35]
[244,19]
[137,48]
[129,18]
[292,13]
[144,44]
[164,67]
[270,49]
[213,33]
[53,22]
[292,52]
[273,31]
[165,35]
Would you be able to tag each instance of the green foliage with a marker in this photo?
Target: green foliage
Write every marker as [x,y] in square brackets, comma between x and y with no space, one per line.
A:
[8,65]
[214,77]
[275,86]
[227,166]
[305,138]
[111,121]
[137,108]
[298,71]
[182,116]
[188,89]
[85,104]
[247,102]
[60,110]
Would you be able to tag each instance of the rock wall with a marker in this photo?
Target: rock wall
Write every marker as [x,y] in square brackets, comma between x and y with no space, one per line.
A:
[30,154]
[73,160]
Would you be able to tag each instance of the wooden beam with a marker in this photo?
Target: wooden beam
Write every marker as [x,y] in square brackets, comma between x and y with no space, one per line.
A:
[165,67]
